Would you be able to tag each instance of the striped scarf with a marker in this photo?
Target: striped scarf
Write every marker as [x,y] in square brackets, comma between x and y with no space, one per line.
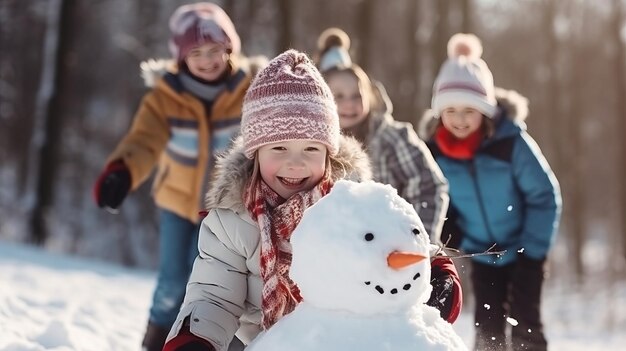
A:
[277,218]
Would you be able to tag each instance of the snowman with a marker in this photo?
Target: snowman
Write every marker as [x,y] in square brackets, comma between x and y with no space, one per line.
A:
[361,260]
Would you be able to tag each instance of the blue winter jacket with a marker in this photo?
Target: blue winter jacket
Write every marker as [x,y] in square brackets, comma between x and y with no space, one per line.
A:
[507,194]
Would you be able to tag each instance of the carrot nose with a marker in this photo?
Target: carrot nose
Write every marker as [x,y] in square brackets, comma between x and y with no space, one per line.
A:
[398,260]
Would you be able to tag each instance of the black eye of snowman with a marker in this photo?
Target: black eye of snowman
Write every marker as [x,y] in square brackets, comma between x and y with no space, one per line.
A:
[369,237]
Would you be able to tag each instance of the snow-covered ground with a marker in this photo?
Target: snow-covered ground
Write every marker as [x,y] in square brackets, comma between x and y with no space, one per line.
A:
[53,302]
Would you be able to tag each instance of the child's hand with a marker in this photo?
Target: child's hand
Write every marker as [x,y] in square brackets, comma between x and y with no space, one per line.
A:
[446,295]
[112,185]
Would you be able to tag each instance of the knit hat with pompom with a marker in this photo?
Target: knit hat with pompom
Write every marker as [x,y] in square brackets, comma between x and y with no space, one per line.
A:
[464,78]
[196,24]
[333,45]
[289,100]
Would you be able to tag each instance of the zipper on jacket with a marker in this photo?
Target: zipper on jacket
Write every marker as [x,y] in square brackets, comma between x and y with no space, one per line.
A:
[483,211]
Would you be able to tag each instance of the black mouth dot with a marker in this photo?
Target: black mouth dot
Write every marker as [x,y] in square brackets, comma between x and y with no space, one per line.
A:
[367,283]
[406,286]
[416,276]
[394,291]
[379,289]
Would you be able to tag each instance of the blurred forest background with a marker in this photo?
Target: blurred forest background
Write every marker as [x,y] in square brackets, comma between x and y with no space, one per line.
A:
[70,83]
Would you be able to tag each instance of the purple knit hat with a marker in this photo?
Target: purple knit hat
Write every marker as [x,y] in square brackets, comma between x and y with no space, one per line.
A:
[289,100]
[195,24]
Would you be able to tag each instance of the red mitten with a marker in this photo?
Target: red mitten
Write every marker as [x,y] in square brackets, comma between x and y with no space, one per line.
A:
[186,341]
[447,295]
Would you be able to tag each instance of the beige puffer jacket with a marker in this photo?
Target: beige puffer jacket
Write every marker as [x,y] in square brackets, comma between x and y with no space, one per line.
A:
[224,290]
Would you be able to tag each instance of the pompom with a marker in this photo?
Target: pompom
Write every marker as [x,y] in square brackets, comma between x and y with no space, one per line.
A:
[462,44]
[333,37]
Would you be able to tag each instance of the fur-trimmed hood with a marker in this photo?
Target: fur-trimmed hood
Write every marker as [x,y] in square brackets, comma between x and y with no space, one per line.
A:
[513,105]
[154,69]
[233,169]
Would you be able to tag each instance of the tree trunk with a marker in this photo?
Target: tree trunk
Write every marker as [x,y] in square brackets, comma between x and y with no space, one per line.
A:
[466,16]
[20,73]
[229,7]
[364,25]
[284,31]
[414,61]
[561,141]
[147,23]
[620,91]
[571,121]
[440,34]
[252,7]
[45,142]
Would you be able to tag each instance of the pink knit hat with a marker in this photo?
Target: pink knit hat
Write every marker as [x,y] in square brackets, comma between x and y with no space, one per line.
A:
[289,100]
[200,23]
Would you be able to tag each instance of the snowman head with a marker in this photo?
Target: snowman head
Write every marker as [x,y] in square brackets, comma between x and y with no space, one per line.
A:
[361,248]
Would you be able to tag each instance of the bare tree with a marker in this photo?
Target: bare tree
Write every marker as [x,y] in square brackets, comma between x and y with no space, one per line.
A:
[19,81]
[252,7]
[441,33]
[554,101]
[620,91]
[45,143]
[364,17]
[284,32]
[148,23]
[229,8]
[466,16]
[571,121]
[414,60]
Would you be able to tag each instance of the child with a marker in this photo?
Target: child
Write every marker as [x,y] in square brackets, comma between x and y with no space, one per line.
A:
[398,156]
[290,154]
[502,191]
[191,113]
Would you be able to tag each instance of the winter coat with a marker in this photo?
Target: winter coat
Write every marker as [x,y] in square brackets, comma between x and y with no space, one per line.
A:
[401,159]
[507,194]
[224,290]
[172,128]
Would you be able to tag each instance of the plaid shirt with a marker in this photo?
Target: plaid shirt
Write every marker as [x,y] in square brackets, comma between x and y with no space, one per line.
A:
[401,159]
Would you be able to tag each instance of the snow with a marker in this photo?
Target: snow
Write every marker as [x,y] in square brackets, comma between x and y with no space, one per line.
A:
[53,302]
[62,303]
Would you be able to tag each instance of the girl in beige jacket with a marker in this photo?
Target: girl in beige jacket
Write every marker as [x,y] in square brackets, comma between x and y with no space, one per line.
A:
[288,157]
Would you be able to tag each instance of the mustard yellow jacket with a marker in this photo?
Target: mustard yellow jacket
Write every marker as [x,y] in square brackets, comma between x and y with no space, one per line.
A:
[171,129]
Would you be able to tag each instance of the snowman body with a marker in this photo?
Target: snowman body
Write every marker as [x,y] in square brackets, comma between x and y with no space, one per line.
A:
[361,261]
[308,328]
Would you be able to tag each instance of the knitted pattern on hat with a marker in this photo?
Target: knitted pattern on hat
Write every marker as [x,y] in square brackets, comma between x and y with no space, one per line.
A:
[289,100]
[196,24]
[464,79]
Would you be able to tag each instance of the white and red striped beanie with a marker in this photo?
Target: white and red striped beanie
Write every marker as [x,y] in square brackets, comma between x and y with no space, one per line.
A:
[289,100]
[196,24]
[464,78]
